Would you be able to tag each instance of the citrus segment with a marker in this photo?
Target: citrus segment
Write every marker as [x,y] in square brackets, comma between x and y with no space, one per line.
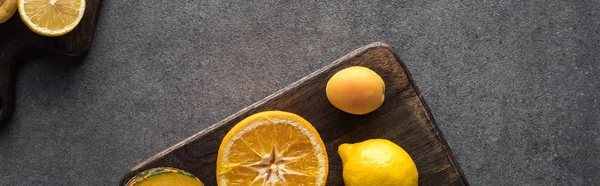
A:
[51,17]
[272,148]
[164,176]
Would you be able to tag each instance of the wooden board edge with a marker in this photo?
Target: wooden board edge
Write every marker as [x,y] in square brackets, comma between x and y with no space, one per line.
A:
[434,125]
[93,31]
[8,59]
[85,49]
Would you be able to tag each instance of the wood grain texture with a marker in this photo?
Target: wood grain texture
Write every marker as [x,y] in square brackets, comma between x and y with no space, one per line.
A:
[403,118]
[15,38]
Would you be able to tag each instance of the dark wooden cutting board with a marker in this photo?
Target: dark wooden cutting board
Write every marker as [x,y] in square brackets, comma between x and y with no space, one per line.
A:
[403,118]
[16,38]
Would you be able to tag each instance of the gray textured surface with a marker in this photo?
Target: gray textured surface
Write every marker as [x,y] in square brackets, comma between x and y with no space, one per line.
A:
[513,85]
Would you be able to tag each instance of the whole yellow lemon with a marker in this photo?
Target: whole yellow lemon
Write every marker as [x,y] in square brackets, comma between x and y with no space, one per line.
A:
[356,90]
[7,9]
[377,162]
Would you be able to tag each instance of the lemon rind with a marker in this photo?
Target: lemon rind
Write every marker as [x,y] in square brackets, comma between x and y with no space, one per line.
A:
[48,32]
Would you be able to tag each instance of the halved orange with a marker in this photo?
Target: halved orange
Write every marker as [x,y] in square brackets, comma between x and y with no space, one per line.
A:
[272,148]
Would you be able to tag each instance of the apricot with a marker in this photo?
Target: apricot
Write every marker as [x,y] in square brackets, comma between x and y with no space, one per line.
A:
[356,90]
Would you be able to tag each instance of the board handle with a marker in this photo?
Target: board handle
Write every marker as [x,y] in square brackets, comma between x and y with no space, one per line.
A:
[8,65]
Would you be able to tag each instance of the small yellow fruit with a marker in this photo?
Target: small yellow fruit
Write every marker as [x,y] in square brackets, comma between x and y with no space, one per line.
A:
[356,90]
[377,162]
[7,9]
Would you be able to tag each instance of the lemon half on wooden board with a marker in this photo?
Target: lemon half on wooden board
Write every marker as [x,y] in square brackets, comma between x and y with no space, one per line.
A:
[272,148]
[51,18]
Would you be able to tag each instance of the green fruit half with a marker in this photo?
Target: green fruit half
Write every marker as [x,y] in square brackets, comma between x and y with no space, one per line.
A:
[164,176]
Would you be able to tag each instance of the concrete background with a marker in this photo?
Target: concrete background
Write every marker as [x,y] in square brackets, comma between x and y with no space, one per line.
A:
[513,84]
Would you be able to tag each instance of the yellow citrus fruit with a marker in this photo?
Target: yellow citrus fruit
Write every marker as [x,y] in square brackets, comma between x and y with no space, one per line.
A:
[356,90]
[7,9]
[377,162]
[164,176]
[272,148]
[51,17]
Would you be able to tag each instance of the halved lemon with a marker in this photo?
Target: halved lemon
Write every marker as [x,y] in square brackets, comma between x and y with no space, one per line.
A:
[272,148]
[51,17]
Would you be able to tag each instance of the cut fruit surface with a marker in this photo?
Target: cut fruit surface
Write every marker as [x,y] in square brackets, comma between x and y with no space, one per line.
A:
[51,17]
[164,176]
[272,148]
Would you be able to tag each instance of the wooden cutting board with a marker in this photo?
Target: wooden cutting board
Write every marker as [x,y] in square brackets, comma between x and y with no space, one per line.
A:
[403,118]
[16,38]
